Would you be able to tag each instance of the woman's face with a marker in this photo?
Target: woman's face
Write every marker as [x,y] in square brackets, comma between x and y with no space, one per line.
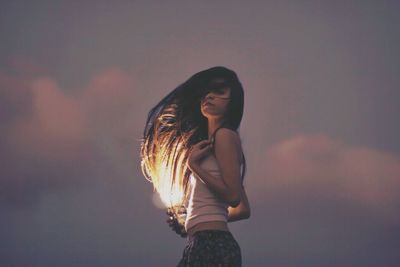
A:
[215,103]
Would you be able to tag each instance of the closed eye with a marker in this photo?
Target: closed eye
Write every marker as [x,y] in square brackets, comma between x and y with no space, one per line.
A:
[218,91]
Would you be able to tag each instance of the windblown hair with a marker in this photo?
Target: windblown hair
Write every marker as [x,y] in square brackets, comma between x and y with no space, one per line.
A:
[176,123]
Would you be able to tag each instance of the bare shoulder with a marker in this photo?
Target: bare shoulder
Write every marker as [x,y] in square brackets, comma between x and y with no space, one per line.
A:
[229,134]
[228,137]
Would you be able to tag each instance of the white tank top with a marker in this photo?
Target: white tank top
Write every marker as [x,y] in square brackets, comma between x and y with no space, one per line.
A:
[203,205]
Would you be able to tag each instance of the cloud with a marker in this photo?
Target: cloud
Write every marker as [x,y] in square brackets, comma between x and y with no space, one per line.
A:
[57,126]
[309,168]
[52,139]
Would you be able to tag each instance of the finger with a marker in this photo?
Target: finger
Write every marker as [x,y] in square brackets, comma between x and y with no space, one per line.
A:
[206,147]
[206,142]
[182,211]
[203,143]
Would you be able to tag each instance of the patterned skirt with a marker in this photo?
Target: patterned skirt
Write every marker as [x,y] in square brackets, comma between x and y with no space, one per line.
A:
[211,248]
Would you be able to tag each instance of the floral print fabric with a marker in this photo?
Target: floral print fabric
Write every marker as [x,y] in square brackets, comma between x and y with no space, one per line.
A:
[211,248]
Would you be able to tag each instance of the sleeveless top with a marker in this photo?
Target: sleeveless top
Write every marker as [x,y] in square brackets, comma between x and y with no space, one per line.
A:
[203,204]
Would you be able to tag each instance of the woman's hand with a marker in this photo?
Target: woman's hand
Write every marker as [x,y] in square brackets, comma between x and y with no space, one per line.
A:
[199,151]
[175,225]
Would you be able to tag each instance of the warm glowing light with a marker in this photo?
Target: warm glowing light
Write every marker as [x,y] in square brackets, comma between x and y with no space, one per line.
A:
[165,169]
[170,195]
[164,154]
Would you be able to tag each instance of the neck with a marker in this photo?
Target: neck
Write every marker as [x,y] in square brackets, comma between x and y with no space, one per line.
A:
[212,126]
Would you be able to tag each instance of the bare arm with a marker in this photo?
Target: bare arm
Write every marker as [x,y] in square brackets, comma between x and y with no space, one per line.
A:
[242,211]
[227,152]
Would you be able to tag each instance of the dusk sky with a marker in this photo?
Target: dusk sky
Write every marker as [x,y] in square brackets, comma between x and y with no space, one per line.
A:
[320,129]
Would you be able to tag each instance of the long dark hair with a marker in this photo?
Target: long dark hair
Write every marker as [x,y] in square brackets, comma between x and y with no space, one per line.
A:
[176,123]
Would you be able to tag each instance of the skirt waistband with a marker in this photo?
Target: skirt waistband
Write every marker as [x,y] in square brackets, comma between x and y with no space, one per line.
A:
[209,232]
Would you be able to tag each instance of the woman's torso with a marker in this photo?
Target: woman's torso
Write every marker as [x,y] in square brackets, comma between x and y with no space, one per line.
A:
[212,166]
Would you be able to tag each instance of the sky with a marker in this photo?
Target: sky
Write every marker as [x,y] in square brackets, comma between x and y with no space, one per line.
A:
[319,131]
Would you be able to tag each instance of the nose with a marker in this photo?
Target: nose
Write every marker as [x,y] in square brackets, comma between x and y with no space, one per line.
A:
[206,99]
[207,96]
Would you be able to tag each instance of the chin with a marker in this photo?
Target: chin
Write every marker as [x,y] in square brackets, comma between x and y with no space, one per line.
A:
[210,114]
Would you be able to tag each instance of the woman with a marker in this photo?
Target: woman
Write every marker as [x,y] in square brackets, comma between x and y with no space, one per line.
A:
[193,133]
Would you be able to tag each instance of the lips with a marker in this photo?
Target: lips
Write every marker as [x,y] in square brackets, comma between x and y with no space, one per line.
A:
[208,104]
